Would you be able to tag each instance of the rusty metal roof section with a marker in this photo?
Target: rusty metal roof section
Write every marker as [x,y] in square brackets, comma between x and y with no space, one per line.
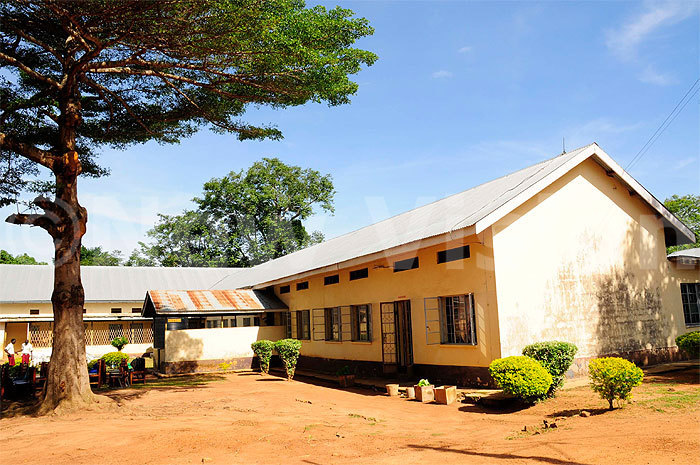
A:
[212,301]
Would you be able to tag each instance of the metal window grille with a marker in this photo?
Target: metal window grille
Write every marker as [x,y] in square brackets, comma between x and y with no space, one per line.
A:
[690,296]
[458,320]
[332,323]
[41,334]
[361,323]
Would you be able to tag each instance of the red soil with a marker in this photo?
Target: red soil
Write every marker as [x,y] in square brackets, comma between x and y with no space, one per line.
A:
[248,418]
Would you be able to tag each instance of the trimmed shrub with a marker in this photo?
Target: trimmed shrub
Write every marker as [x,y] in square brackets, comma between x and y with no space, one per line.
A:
[289,353]
[689,343]
[119,342]
[113,359]
[556,357]
[263,349]
[423,382]
[613,378]
[522,377]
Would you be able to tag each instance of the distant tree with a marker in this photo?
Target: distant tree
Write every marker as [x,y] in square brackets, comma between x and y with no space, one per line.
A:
[24,259]
[95,256]
[242,219]
[687,209]
[78,75]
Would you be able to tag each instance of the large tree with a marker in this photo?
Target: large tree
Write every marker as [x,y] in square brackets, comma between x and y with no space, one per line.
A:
[242,219]
[687,209]
[78,75]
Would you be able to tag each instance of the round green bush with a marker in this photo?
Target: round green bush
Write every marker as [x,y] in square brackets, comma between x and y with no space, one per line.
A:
[289,350]
[114,359]
[556,357]
[614,377]
[263,349]
[689,343]
[522,377]
[119,342]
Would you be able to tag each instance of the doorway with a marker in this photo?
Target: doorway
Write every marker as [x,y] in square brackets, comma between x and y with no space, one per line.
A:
[397,339]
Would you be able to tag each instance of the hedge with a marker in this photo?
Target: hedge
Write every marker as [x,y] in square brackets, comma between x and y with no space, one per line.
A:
[289,350]
[689,343]
[614,377]
[556,357]
[263,349]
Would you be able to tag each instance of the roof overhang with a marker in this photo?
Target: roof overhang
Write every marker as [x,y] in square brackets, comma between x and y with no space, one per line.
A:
[209,302]
[683,233]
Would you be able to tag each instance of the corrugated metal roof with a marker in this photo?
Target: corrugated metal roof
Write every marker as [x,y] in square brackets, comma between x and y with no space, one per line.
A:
[34,283]
[687,253]
[217,301]
[478,207]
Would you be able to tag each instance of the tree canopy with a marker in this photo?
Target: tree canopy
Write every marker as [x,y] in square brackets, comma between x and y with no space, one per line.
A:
[95,256]
[687,209]
[24,259]
[242,219]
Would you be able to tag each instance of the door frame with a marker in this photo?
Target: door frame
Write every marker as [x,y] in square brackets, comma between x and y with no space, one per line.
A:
[397,336]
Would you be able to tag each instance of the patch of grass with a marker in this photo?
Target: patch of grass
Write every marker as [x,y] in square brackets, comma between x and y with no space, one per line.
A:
[180,381]
[311,426]
[373,420]
[666,398]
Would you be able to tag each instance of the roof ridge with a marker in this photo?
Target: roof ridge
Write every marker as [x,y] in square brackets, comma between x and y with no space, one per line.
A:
[431,203]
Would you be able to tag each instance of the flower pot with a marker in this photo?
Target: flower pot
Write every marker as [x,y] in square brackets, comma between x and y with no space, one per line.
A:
[411,392]
[392,390]
[425,393]
[446,394]
[346,380]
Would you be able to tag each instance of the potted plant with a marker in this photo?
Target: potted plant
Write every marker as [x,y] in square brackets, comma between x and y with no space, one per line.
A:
[119,342]
[345,377]
[425,392]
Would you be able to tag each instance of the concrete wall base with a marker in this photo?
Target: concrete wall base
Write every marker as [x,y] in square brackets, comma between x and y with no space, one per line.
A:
[638,357]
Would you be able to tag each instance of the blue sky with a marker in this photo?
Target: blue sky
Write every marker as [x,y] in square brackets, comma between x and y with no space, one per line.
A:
[463,92]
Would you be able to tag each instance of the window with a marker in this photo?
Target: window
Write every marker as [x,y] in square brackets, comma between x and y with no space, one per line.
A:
[116,310]
[302,285]
[332,323]
[115,331]
[451,255]
[34,311]
[85,310]
[213,323]
[690,295]
[246,321]
[333,279]
[284,289]
[360,317]
[303,324]
[408,264]
[358,274]
[457,316]
[136,310]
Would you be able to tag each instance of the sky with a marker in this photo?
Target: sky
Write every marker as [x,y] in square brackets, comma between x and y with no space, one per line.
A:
[462,93]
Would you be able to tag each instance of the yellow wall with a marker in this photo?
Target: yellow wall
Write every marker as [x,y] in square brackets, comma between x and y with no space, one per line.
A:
[187,345]
[45,308]
[584,261]
[472,275]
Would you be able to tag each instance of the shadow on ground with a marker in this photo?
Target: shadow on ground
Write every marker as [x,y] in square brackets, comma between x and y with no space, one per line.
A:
[493,455]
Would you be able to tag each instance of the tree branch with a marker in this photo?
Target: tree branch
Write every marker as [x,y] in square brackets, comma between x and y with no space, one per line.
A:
[45,222]
[31,152]
[19,65]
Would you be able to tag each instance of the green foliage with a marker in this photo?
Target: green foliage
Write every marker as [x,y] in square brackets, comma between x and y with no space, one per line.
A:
[423,382]
[522,377]
[689,343]
[555,356]
[114,359]
[289,350]
[91,364]
[95,256]
[24,259]
[119,342]
[263,349]
[344,371]
[614,377]
[687,209]
[163,70]
[242,219]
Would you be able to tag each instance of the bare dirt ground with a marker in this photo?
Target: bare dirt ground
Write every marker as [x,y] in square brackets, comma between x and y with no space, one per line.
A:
[249,418]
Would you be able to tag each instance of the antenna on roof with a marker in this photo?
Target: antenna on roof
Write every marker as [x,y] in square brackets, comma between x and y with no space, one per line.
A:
[563,145]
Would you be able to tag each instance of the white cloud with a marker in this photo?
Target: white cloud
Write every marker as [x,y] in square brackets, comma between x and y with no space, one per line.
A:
[465,49]
[651,76]
[656,15]
[442,74]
